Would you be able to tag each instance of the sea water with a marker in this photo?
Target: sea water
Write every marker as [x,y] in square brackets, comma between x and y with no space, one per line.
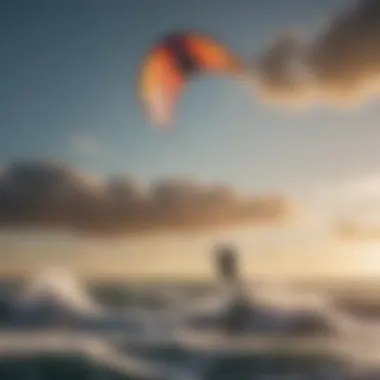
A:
[180,353]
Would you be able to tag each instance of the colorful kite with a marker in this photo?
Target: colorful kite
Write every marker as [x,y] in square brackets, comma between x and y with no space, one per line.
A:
[172,62]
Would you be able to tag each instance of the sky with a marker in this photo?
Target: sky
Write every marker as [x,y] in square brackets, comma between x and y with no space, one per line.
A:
[69,76]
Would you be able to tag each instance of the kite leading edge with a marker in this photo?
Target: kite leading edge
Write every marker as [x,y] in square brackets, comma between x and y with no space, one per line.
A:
[172,63]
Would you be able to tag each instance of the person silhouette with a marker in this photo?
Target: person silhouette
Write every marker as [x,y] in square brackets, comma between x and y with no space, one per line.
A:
[238,312]
[226,264]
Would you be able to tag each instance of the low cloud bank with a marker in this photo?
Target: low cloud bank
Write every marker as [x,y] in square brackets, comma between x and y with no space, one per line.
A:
[54,195]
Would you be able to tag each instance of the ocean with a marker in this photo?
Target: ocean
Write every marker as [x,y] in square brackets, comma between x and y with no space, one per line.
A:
[60,328]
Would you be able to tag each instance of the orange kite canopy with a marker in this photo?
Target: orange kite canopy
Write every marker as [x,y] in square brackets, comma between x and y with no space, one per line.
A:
[171,63]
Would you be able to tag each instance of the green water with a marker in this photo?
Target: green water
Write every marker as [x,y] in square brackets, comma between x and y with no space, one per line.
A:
[53,367]
[250,367]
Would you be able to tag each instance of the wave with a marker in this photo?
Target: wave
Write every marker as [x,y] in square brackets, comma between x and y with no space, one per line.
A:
[58,291]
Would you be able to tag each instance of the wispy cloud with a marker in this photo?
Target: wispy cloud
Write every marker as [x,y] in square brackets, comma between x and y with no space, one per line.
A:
[354,207]
[86,144]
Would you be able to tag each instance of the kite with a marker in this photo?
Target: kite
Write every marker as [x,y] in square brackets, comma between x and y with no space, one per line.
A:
[172,63]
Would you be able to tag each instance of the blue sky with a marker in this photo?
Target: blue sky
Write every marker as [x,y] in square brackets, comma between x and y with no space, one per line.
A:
[69,75]
[68,92]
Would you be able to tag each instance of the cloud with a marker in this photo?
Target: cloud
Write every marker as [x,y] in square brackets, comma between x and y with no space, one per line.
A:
[86,145]
[48,194]
[341,63]
[358,231]
[354,207]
